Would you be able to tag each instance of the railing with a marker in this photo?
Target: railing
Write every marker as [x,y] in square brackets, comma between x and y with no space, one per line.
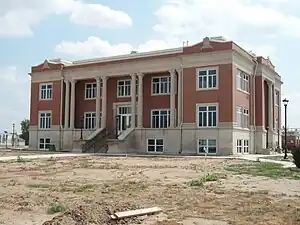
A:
[96,143]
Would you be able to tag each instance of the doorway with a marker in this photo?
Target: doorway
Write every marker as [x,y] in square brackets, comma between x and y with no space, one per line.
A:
[124,121]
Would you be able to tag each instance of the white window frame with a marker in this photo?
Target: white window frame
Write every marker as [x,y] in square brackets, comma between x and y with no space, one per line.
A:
[246,146]
[89,115]
[246,118]
[242,81]
[168,115]
[242,146]
[207,112]
[47,123]
[239,116]
[155,145]
[239,146]
[126,88]
[159,84]
[44,143]
[207,146]
[90,93]
[208,77]
[47,90]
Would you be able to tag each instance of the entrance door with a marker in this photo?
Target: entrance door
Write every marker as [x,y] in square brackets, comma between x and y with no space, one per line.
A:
[124,113]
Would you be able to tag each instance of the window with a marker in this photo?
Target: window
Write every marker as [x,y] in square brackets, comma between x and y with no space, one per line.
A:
[90,120]
[207,78]
[91,90]
[242,146]
[45,120]
[239,145]
[207,116]
[45,91]
[246,118]
[207,145]
[277,97]
[124,88]
[155,145]
[242,81]
[239,116]
[246,146]
[44,143]
[160,118]
[161,85]
[276,125]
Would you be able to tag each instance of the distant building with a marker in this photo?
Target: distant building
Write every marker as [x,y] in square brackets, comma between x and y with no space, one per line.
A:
[6,139]
[213,95]
[293,138]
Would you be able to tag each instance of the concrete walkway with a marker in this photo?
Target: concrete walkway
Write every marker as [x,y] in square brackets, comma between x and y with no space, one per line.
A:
[43,156]
[262,158]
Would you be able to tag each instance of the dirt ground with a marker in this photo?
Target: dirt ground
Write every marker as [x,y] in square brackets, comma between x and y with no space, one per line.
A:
[91,188]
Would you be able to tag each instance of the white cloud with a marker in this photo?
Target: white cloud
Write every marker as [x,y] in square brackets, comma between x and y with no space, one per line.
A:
[18,17]
[14,107]
[240,20]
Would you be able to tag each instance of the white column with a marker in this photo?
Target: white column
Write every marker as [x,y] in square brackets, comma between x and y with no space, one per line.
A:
[133,99]
[271,107]
[98,100]
[72,107]
[104,102]
[140,101]
[179,93]
[67,104]
[172,99]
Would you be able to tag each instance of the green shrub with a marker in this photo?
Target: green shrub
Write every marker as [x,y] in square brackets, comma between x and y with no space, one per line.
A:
[296,156]
[52,148]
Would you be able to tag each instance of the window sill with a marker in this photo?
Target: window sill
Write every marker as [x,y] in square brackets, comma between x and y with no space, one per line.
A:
[44,129]
[48,99]
[162,94]
[243,128]
[207,89]
[207,127]
[127,96]
[243,91]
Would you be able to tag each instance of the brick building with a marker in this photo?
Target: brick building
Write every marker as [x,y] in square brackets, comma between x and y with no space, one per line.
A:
[213,95]
[293,138]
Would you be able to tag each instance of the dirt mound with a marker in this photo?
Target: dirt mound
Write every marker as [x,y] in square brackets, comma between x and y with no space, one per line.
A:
[94,214]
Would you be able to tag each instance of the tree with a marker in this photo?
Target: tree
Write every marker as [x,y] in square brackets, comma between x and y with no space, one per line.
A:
[25,130]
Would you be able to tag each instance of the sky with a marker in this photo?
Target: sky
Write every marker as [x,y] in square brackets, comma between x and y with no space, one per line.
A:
[34,30]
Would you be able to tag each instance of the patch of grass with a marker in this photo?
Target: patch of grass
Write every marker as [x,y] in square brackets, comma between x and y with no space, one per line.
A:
[39,186]
[266,169]
[22,160]
[56,207]
[206,178]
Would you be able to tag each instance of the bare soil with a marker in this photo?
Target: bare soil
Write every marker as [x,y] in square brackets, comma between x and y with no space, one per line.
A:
[91,188]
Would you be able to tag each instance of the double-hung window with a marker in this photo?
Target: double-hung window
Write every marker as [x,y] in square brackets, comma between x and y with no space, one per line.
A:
[242,81]
[124,88]
[90,120]
[207,78]
[160,118]
[208,146]
[207,116]
[91,90]
[161,85]
[46,91]
[45,119]
[239,116]
[246,118]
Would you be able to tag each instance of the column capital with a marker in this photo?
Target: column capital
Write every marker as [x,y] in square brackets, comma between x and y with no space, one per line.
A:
[98,79]
[73,81]
[179,71]
[133,75]
[140,74]
[66,80]
[172,72]
[104,78]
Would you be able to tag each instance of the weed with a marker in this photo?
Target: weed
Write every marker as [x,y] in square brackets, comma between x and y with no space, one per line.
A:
[202,180]
[22,160]
[56,207]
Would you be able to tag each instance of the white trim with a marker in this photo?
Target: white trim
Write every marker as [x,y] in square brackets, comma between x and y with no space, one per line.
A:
[124,80]
[198,145]
[45,84]
[151,118]
[242,146]
[159,77]
[207,69]
[39,118]
[85,89]
[130,56]
[206,105]
[84,118]
[155,145]
[44,138]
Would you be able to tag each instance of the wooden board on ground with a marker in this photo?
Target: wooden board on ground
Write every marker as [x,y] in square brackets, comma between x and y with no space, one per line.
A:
[138,212]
